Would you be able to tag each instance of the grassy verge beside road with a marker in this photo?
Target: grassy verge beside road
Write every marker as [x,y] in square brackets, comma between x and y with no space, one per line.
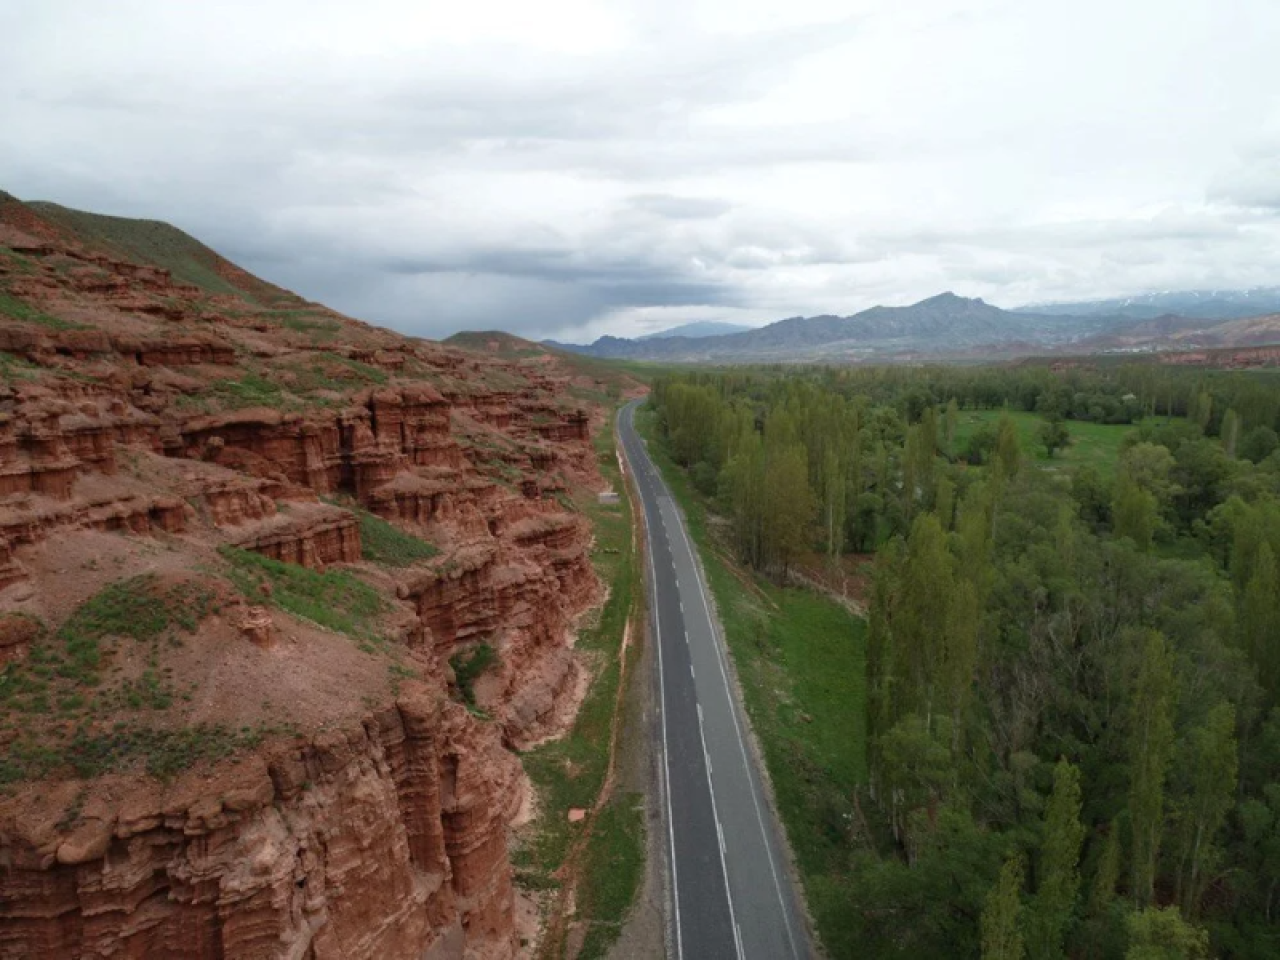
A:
[801,662]
[571,772]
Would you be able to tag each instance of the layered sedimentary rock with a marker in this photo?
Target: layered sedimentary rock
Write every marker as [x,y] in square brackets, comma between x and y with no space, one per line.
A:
[145,423]
[383,840]
[312,537]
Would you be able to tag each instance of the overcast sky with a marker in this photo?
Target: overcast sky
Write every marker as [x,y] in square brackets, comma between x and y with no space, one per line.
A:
[568,168]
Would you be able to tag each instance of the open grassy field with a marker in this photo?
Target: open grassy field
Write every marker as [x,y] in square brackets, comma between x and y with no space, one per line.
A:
[801,660]
[1092,444]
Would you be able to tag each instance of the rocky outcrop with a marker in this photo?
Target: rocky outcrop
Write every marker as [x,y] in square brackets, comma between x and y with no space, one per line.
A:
[521,603]
[312,536]
[232,502]
[383,841]
[16,634]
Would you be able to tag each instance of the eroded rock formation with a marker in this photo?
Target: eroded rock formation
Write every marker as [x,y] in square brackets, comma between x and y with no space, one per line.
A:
[147,424]
[385,840]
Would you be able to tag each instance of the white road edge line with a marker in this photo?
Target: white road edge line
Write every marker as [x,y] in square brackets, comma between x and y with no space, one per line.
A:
[733,712]
[666,759]
[715,812]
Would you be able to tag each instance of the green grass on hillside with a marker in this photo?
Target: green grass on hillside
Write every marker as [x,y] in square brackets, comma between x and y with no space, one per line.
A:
[64,680]
[384,543]
[801,661]
[159,244]
[11,306]
[333,599]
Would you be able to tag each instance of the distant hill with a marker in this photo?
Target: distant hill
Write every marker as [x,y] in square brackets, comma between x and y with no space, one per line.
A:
[942,325]
[1181,333]
[1195,304]
[697,330]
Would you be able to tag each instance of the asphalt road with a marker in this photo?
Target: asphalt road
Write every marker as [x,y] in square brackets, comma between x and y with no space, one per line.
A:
[731,895]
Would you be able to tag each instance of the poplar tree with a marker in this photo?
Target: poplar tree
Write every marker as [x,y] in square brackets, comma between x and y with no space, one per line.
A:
[1163,934]
[950,422]
[1260,620]
[945,501]
[921,621]
[881,659]
[1201,411]
[834,499]
[1106,874]
[788,505]
[744,480]
[959,655]
[1212,765]
[1134,512]
[1230,432]
[1001,938]
[1150,748]
[1059,875]
[918,464]
[1008,450]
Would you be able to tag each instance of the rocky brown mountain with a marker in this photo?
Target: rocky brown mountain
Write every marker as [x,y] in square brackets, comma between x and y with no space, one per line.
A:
[245,542]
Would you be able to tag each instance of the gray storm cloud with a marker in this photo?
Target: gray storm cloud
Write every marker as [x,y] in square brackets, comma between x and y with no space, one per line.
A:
[579,168]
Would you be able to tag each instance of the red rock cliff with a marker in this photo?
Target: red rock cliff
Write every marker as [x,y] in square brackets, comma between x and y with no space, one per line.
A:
[146,426]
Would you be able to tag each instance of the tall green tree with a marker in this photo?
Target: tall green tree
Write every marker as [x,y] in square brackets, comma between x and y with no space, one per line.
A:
[1001,936]
[1163,934]
[1151,735]
[921,619]
[1230,432]
[1059,874]
[1134,512]
[1101,932]
[744,481]
[1260,620]
[1053,435]
[1212,764]
[1107,873]
[919,467]
[789,504]
[958,656]
[950,423]
[1008,449]
[1201,412]
[834,498]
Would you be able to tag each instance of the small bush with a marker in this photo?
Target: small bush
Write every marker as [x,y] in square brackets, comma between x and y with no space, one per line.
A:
[468,666]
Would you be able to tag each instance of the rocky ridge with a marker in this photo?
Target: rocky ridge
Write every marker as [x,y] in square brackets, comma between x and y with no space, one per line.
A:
[325,790]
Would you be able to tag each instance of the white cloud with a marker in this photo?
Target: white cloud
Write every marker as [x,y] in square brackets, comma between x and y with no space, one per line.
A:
[577,167]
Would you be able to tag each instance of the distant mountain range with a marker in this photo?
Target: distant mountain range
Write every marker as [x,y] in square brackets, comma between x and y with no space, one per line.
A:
[1195,304]
[950,327]
[697,330]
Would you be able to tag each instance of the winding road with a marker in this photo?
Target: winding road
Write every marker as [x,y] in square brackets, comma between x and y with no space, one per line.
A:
[730,893]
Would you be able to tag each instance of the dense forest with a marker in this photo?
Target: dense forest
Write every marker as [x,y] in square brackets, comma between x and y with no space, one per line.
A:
[1073,704]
